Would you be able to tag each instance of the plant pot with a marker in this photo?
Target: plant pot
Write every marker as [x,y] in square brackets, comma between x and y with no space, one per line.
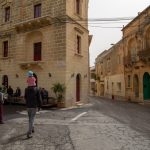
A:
[60,104]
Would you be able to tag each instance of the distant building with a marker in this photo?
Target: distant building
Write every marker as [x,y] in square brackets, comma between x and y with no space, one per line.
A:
[110,73]
[92,81]
[124,69]
[48,38]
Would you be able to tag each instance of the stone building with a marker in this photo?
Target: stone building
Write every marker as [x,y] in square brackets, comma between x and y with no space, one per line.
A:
[136,40]
[128,79]
[99,73]
[49,38]
[92,81]
[110,73]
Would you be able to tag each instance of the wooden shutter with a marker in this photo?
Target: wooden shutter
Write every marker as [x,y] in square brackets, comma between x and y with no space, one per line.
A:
[37,11]
[5,49]
[37,51]
[78,44]
[78,7]
[7,14]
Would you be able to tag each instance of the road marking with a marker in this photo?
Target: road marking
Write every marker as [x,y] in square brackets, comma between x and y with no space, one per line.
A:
[24,112]
[78,116]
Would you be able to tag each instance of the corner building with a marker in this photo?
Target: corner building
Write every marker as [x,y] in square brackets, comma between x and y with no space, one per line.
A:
[49,38]
[136,40]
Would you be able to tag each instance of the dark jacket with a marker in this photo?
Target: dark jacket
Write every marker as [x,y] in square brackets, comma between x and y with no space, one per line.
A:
[10,91]
[33,97]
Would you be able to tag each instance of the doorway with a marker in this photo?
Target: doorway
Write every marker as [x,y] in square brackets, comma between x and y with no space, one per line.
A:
[78,87]
[5,81]
[146,86]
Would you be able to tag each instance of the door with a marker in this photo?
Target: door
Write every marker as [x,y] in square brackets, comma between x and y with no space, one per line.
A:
[78,88]
[146,86]
[37,51]
[5,81]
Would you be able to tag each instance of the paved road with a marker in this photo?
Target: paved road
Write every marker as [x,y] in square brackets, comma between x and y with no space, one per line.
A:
[100,125]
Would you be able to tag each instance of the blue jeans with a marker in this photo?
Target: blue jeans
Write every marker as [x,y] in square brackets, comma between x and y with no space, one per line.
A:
[31,115]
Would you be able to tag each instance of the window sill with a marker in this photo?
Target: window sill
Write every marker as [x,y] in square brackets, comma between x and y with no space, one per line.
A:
[78,15]
[79,55]
[128,87]
[5,58]
[7,22]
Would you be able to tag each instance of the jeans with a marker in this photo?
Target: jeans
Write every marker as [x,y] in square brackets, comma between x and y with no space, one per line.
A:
[31,115]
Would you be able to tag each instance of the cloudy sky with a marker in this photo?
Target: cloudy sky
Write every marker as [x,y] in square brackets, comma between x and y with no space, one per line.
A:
[109,32]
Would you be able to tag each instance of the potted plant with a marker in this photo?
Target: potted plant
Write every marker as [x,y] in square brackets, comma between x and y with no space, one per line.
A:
[59,90]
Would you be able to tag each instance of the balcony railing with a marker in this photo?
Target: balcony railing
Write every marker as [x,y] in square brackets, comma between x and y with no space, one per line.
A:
[31,64]
[33,23]
[144,54]
[130,60]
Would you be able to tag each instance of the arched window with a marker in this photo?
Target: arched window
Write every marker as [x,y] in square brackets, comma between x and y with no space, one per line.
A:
[148,39]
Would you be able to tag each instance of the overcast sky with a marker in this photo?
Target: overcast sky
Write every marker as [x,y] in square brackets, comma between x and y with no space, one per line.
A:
[103,37]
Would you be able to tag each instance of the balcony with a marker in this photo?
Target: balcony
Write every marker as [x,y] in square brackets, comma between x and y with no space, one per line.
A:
[34,23]
[146,21]
[144,55]
[130,60]
[31,64]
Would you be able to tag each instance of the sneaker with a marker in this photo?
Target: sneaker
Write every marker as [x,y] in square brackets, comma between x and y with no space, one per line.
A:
[29,135]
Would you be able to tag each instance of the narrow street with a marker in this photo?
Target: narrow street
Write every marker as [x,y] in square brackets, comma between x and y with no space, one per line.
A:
[99,125]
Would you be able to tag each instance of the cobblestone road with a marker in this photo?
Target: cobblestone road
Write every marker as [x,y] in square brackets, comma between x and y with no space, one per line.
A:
[102,125]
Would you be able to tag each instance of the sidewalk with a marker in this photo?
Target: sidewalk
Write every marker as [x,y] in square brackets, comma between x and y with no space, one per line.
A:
[48,132]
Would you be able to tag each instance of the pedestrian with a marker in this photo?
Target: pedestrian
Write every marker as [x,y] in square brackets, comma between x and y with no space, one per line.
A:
[44,95]
[31,80]
[10,93]
[1,106]
[33,101]
[18,92]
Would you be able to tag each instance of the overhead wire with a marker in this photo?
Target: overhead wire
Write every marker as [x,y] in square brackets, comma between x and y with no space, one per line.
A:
[97,22]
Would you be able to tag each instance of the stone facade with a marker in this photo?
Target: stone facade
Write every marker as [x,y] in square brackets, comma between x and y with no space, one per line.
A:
[110,73]
[136,39]
[134,70]
[64,45]
[92,81]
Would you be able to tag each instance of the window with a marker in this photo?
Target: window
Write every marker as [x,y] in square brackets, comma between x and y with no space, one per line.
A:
[78,44]
[78,7]
[119,86]
[107,85]
[108,64]
[37,11]
[101,69]
[129,80]
[112,86]
[37,51]
[119,59]
[93,76]
[7,14]
[5,49]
